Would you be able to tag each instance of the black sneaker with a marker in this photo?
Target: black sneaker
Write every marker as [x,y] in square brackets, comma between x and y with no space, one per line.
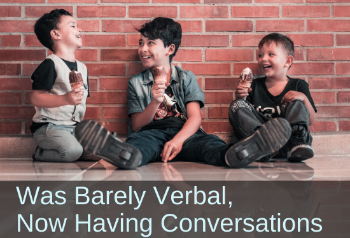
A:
[96,139]
[299,149]
[268,139]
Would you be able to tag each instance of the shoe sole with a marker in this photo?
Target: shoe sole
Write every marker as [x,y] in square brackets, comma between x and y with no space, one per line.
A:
[268,139]
[96,139]
[300,153]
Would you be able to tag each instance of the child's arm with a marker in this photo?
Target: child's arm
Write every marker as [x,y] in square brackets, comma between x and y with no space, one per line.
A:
[42,98]
[294,95]
[173,147]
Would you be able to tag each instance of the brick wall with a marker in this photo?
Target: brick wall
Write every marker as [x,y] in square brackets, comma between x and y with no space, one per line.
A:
[219,40]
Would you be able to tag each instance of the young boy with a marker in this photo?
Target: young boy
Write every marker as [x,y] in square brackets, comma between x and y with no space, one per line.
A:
[165,114]
[276,95]
[58,107]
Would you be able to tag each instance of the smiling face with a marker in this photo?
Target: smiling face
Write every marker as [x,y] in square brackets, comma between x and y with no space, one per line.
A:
[273,60]
[153,53]
[68,33]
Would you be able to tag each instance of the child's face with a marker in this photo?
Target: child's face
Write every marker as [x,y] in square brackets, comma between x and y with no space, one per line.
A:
[273,60]
[153,53]
[70,34]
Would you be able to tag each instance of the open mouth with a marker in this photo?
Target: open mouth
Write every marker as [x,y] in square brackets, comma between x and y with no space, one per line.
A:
[267,66]
[78,36]
[146,57]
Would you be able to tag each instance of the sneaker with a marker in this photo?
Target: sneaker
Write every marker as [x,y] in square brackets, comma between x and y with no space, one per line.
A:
[268,139]
[96,139]
[299,149]
[33,155]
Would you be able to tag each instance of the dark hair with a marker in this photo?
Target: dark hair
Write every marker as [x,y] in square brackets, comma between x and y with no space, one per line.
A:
[46,23]
[166,29]
[278,38]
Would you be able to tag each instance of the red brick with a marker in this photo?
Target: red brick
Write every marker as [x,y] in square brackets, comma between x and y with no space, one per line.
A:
[333,111]
[133,39]
[28,69]
[238,68]
[106,97]
[306,11]
[135,68]
[328,25]
[323,126]
[176,1]
[38,11]
[191,26]
[86,55]
[103,40]
[188,55]
[119,55]
[22,1]
[92,113]
[10,127]
[121,25]
[72,1]
[323,97]
[236,25]
[16,26]
[92,84]
[101,11]
[31,40]
[218,112]
[229,54]
[115,113]
[219,97]
[329,83]
[22,55]
[311,68]
[10,69]
[332,1]
[121,128]
[27,98]
[312,39]
[114,83]
[343,68]
[341,11]
[15,84]
[208,69]
[344,125]
[10,11]
[343,40]
[205,40]
[153,11]
[217,126]
[10,98]
[255,11]
[124,1]
[246,40]
[221,83]
[16,112]
[27,127]
[204,12]
[343,96]
[298,54]
[279,1]
[328,54]
[280,25]
[107,69]
[89,25]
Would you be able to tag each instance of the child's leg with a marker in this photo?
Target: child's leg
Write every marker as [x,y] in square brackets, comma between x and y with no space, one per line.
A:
[300,142]
[244,119]
[56,143]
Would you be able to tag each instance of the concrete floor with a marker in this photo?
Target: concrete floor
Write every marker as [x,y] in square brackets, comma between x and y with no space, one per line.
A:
[319,168]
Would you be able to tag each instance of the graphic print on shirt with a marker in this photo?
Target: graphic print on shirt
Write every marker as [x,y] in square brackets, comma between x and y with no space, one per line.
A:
[271,112]
[167,108]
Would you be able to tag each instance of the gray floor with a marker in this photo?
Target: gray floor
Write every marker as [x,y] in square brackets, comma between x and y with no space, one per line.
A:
[319,168]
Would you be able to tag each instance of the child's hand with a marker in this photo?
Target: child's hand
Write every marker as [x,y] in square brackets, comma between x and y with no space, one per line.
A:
[75,96]
[171,149]
[158,90]
[241,92]
[292,96]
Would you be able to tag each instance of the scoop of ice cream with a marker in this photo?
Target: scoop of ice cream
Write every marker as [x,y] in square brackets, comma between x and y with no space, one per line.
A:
[76,80]
[159,73]
[246,78]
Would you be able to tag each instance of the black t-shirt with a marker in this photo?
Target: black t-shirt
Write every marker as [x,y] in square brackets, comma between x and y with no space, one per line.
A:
[168,114]
[44,78]
[270,105]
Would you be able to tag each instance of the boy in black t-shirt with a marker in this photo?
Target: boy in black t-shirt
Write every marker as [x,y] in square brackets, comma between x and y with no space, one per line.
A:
[58,107]
[276,95]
